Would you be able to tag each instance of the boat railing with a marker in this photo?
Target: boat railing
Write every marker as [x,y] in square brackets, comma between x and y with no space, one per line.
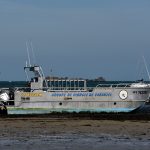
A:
[4,89]
[28,89]
[51,89]
[122,85]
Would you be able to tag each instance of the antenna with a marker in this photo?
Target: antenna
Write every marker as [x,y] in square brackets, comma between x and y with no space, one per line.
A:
[34,60]
[146,67]
[28,54]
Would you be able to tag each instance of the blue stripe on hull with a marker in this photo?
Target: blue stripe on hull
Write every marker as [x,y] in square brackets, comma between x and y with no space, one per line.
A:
[46,111]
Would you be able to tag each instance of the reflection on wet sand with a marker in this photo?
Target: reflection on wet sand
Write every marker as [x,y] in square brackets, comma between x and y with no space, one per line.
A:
[46,133]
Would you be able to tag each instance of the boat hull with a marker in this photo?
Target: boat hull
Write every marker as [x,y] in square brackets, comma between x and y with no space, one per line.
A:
[14,110]
[99,100]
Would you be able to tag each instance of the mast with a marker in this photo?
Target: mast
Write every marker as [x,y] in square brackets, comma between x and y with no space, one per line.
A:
[146,67]
[28,54]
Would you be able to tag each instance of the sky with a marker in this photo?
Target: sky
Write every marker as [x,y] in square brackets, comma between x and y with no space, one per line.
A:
[75,38]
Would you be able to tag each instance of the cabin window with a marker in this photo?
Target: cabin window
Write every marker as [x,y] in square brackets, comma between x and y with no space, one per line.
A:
[36,79]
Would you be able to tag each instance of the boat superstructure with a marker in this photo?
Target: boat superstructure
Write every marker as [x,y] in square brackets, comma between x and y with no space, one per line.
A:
[43,96]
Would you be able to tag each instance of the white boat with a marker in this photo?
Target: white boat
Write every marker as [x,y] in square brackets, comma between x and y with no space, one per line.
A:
[71,96]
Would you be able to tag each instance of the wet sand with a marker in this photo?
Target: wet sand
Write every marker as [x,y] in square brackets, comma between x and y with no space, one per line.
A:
[76,134]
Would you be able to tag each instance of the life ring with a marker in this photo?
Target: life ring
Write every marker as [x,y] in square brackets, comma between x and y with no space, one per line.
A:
[123,94]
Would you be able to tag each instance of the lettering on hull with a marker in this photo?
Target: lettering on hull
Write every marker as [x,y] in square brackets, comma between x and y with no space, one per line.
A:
[80,94]
[28,94]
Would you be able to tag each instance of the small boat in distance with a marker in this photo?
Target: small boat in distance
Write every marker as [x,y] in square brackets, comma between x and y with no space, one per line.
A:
[43,97]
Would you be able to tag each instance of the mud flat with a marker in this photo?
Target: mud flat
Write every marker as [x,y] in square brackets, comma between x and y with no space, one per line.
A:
[76,134]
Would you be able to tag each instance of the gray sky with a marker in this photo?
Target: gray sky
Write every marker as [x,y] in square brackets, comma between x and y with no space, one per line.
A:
[76,38]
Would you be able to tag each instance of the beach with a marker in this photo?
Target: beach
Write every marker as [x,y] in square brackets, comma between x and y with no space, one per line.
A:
[76,134]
